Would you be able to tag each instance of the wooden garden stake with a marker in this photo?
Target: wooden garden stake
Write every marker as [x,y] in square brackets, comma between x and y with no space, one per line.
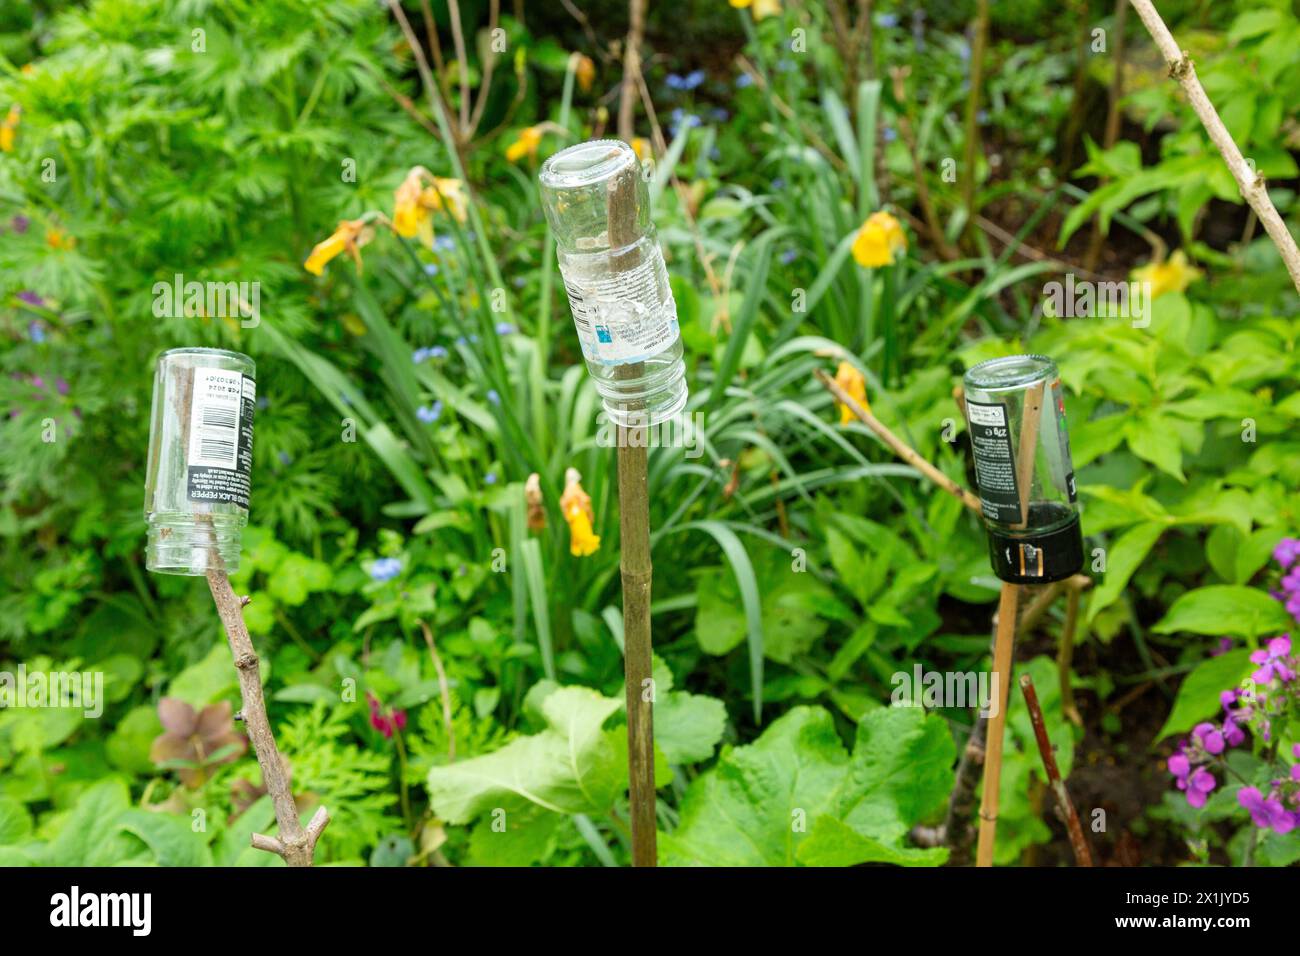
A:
[635,565]
[1002,649]
[1082,855]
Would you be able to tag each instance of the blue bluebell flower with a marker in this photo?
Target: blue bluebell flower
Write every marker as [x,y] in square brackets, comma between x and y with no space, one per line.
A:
[429,413]
[385,569]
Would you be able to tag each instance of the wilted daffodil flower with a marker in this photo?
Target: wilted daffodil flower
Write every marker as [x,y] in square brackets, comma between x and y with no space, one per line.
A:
[575,504]
[878,241]
[1174,275]
[585,70]
[419,196]
[760,8]
[526,145]
[850,379]
[9,129]
[349,237]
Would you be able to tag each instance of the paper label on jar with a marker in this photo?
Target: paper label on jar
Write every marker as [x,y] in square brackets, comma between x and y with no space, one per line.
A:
[219,458]
[624,318]
[995,465]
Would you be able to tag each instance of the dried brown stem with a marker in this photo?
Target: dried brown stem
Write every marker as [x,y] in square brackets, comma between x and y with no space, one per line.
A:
[294,844]
[631,70]
[1082,855]
[1251,183]
[897,445]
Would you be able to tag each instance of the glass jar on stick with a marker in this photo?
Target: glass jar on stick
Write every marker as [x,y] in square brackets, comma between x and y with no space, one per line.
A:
[598,206]
[200,460]
[1015,413]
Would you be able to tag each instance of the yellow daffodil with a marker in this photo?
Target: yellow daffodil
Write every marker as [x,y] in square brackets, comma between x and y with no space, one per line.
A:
[641,146]
[760,8]
[349,237]
[850,379]
[526,145]
[533,499]
[585,70]
[879,239]
[56,238]
[422,193]
[9,128]
[1175,275]
[575,505]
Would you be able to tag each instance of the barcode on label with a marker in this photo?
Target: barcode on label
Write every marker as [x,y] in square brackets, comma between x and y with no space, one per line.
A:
[214,420]
[583,313]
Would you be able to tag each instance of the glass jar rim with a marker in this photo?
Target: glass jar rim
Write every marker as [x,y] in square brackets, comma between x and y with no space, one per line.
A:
[1010,371]
[205,350]
[586,164]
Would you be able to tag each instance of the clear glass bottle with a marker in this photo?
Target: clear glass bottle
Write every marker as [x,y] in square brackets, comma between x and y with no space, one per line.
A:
[1015,413]
[200,460]
[598,205]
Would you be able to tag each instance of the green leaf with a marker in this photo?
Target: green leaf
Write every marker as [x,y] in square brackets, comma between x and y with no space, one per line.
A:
[15,821]
[570,767]
[128,746]
[1198,697]
[87,836]
[688,726]
[754,807]
[170,837]
[519,838]
[1122,560]
[834,843]
[1226,609]
[747,810]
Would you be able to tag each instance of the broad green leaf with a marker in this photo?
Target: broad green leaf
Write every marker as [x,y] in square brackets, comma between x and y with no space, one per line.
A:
[1198,695]
[87,836]
[761,803]
[570,767]
[519,838]
[15,821]
[834,843]
[1123,558]
[1226,609]
[688,726]
[169,836]
[747,810]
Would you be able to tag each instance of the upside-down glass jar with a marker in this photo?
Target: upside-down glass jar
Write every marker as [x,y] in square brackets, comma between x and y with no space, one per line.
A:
[1015,413]
[598,206]
[200,460]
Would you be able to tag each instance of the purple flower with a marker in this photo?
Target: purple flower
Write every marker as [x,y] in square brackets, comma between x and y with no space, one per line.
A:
[1233,735]
[1274,661]
[1210,737]
[385,569]
[31,298]
[1199,785]
[1287,552]
[429,413]
[20,223]
[1180,767]
[1266,811]
[1224,645]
